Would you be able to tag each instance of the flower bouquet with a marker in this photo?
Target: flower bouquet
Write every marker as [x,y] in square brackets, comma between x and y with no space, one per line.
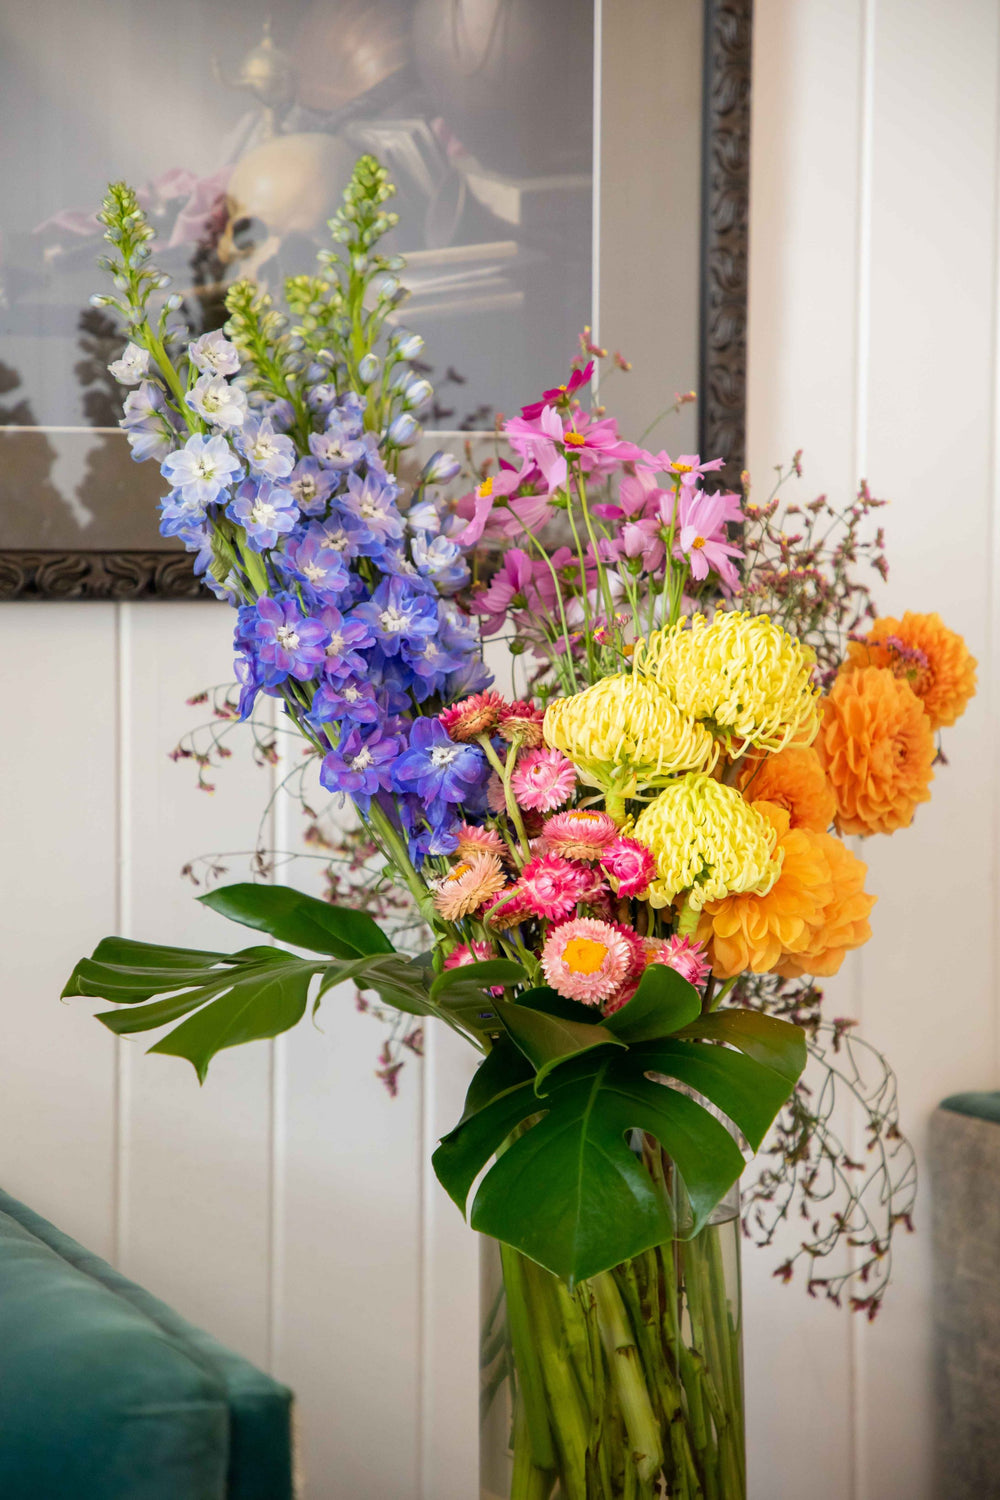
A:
[611,864]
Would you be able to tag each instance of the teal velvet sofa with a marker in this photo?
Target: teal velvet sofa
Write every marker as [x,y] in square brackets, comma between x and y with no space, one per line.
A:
[106,1394]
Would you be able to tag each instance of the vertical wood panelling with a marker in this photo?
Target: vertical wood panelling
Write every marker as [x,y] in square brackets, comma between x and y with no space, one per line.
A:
[198,1170]
[58,772]
[806,146]
[928,977]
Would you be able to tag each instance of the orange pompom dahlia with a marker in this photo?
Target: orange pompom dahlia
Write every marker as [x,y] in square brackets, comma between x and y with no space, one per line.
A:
[877,749]
[754,932]
[796,781]
[933,660]
[814,913]
[844,922]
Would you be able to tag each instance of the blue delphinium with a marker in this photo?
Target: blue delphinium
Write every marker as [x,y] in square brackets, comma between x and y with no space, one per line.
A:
[202,470]
[265,510]
[436,767]
[398,616]
[269,454]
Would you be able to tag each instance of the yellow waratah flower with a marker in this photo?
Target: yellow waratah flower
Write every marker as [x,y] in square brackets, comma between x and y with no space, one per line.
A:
[707,841]
[742,675]
[625,732]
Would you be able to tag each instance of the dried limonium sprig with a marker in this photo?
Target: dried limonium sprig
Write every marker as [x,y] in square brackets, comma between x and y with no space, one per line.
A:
[804,565]
[849,1199]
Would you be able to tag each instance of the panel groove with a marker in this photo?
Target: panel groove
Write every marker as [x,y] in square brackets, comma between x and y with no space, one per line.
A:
[123,920]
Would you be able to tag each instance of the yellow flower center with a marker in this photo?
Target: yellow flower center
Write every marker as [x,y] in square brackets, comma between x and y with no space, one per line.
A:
[574,439]
[681,468]
[697,544]
[485,490]
[583,956]
[459,871]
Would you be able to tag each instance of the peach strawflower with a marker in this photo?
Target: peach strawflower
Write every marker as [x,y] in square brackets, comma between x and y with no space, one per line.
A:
[795,780]
[473,716]
[845,918]
[877,748]
[543,780]
[754,932]
[468,886]
[580,833]
[932,659]
[472,840]
[687,956]
[552,886]
[630,866]
[521,724]
[585,959]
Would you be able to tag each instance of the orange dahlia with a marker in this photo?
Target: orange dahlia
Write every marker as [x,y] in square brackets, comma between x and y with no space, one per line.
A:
[755,932]
[796,781]
[934,660]
[845,917]
[877,748]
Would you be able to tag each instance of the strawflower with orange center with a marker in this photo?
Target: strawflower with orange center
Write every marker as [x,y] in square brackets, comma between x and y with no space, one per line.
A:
[933,660]
[877,748]
[586,959]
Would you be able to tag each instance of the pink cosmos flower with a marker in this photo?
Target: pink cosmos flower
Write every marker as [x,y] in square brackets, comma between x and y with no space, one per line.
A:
[552,886]
[510,588]
[543,780]
[630,865]
[585,959]
[701,537]
[468,886]
[482,513]
[644,540]
[559,392]
[687,467]
[686,956]
[546,441]
[638,495]
[580,833]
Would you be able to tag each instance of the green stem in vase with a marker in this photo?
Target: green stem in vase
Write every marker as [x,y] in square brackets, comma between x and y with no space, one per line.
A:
[627,1378]
[531,1391]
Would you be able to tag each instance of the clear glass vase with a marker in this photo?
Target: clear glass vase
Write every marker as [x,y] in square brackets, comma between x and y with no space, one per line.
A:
[628,1388]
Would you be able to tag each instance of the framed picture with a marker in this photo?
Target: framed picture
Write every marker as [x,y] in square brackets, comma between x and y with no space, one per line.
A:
[557,167]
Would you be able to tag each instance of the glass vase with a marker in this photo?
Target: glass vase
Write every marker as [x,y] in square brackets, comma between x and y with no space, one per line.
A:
[630,1386]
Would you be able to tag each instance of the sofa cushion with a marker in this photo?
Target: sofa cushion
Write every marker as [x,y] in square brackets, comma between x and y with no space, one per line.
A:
[107,1393]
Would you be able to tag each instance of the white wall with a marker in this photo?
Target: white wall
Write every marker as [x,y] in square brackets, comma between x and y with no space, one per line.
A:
[288,1205]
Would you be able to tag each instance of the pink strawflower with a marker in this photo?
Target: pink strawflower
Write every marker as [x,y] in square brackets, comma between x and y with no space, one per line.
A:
[472,841]
[468,886]
[467,953]
[630,866]
[473,953]
[585,959]
[552,886]
[686,956]
[521,724]
[543,780]
[580,833]
[473,716]
[637,953]
[509,909]
[494,795]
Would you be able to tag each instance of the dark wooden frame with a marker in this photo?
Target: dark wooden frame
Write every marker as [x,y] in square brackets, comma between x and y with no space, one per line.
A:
[722,360]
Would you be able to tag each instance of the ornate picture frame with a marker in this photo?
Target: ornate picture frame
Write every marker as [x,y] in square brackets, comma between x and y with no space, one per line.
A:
[165,573]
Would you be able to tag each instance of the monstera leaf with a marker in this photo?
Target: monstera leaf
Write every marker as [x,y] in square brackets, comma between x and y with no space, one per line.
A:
[567,1189]
[224,999]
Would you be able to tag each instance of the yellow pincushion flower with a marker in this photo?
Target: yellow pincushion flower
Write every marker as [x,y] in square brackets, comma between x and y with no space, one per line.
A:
[741,674]
[625,732]
[707,841]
